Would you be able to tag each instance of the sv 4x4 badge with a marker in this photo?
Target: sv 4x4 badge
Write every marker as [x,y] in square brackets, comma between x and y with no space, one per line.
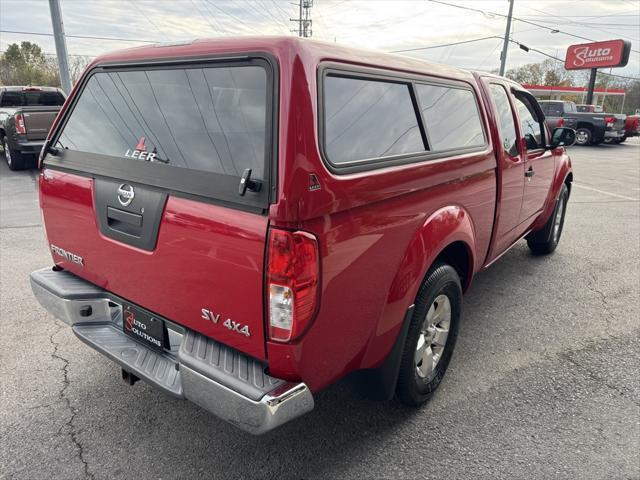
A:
[230,324]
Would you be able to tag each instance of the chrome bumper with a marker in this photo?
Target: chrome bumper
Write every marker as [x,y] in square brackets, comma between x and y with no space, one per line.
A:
[220,379]
[614,134]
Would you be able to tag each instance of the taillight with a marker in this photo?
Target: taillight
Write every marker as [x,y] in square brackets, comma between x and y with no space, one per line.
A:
[609,121]
[293,273]
[20,128]
[560,123]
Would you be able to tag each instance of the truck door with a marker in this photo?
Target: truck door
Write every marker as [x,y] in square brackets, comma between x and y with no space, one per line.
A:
[511,165]
[539,161]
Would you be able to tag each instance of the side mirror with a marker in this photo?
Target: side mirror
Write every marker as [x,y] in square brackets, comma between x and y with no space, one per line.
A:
[563,137]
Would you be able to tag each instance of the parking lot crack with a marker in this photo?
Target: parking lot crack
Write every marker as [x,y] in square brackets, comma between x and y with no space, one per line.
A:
[591,285]
[598,378]
[69,425]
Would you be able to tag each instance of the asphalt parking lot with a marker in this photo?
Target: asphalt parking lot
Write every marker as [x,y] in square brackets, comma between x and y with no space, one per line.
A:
[543,384]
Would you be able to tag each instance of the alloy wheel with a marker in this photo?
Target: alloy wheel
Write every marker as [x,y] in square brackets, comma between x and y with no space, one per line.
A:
[433,337]
[7,154]
[582,138]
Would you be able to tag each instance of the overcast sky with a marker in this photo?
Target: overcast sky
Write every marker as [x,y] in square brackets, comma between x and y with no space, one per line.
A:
[381,24]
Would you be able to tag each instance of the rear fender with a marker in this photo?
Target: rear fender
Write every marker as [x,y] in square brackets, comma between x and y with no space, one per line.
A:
[444,227]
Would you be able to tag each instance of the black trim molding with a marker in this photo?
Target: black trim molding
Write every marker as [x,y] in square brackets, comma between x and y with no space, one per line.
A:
[211,187]
[366,73]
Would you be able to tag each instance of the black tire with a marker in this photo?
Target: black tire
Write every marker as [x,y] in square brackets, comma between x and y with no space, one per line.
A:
[546,240]
[583,136]
[413,389]
[15,159]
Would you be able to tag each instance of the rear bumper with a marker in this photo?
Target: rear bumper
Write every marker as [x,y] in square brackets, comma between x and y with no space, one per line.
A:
[614,134]
[29,146]
[221,380]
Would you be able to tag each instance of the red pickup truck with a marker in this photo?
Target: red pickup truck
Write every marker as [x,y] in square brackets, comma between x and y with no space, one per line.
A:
[244,222]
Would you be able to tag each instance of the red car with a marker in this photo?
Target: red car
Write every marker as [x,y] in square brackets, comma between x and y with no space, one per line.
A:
[631,127]
[244,222]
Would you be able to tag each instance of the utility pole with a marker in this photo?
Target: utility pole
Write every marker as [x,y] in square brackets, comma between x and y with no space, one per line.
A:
[61,44]
[304,19]
[592,85]
[505,45]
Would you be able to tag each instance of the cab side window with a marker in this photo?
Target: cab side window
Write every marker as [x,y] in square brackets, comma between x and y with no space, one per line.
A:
[530,124]
[506,124]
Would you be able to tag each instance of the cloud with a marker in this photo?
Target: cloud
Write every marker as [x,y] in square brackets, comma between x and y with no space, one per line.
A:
[381,24]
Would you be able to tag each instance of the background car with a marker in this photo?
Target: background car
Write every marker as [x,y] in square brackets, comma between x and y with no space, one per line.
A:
[26,114]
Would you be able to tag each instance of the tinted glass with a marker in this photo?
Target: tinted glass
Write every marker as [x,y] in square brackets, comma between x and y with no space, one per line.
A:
[506,124]
[368,119]
[531,127]
[210,119]
[552,109]
[451,117]
[569,107]
[24,99]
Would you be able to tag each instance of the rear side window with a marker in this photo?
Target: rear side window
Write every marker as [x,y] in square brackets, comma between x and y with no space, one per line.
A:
[552,109]
[31,98]
[506,124]
[367,119]
[210,119]
[529,123]
[451,117]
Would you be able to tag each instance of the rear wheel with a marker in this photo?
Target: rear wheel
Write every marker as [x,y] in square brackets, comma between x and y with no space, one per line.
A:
[583,136]
[432,335]
[15,160]
[546,240]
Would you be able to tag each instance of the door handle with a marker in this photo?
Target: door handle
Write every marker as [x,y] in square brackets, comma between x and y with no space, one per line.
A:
[529,173]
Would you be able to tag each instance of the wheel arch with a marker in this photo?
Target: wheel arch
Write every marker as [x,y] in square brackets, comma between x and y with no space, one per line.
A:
[446,235]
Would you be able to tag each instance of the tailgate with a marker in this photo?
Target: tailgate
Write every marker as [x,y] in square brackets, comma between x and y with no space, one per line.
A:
[37,122]
[620,121]
[144,188]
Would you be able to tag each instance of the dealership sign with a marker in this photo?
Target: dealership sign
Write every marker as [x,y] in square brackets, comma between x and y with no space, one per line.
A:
[612,53]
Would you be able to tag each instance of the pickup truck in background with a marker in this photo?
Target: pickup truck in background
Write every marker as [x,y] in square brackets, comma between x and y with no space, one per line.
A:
[26,114]
[554,117]
[592,128]
[244,222]
[589,108]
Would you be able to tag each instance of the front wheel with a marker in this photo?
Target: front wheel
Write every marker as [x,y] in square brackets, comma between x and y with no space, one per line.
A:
[583,136]
[432,335]
[546,240]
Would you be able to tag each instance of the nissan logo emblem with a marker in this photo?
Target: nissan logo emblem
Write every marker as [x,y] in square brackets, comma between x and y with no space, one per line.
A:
[125,194]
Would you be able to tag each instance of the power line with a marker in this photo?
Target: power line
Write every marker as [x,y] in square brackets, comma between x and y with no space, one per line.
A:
[553,30]
[220,9]
[528,48]
[89,37]
[582,24]
[266,12]
[204,17]
[446,44]
[137,7]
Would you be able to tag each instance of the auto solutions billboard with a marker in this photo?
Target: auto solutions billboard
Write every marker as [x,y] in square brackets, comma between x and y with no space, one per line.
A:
[612,53]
